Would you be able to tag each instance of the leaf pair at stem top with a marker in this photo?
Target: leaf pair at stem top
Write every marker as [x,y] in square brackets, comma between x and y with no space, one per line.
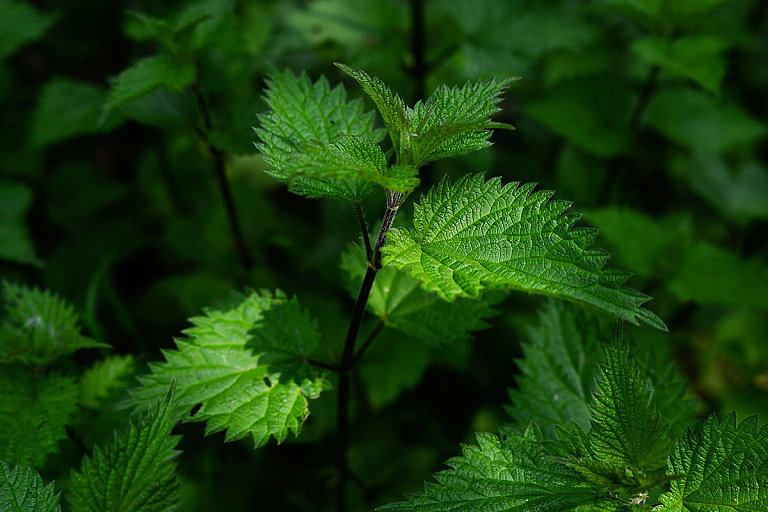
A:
[325,146]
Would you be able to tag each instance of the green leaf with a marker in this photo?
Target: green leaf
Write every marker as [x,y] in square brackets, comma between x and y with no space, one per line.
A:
[475,235]
[393,350]
[711,275]
[20,24]
[352,158]
[402,305]
[67,109]
[99,380]
[725,467]
[148,74]
[558,370]
[627,430]
[391,107]
[455,121]
[22,490]
[644,245]
[136,472]
[244,362]
[697,120]
[590,113]
[699,58]
[15,241]
[739,192]
[509,472]
[33,413]
[38,327]
[302,113]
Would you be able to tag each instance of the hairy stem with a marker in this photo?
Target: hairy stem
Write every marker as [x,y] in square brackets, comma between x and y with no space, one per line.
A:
[348,357]
[221,177]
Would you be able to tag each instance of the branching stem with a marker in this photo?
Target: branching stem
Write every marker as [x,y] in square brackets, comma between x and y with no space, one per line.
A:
[348,356]
[376,331]
[645,96]
[221,176]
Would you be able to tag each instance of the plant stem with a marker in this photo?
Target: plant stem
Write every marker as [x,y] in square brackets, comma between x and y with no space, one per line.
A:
[221,177]
[348,357]
[364,231]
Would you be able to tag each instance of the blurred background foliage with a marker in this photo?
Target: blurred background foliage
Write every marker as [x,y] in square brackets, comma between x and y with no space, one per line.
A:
[649,114]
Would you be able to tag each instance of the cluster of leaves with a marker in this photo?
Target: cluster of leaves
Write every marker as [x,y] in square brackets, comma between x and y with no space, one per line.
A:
[649,114]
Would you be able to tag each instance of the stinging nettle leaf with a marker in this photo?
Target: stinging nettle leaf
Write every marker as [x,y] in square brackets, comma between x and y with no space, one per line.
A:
[22,490]
[245,363]
[352,157]
[391,107]
[509,472]
[558,369]
[39,327]
[33,414]
[455,121]
[725,467]
[136,472]
[475,235]
[627,431]
[304,114]
[148,74]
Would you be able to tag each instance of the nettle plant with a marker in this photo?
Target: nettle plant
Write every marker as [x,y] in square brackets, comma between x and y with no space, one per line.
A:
[596,425]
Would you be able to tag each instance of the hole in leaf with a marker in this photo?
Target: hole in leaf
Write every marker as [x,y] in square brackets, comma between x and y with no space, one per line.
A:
[267,382]
[195,408]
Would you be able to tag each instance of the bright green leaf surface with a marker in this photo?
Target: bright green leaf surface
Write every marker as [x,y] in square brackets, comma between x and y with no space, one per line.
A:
[699,121]
[455,121]
[509,473]
[352,158]
[243,363]
[67,109]
[33,413]
[475,235]
[558,370]
[699,58]
[725,467]
[133,474]
[38,327]
[20,24]
[627,431]
[22,490]
[403,305]
[15,242]
[148,74]
[301,113]
[391,107]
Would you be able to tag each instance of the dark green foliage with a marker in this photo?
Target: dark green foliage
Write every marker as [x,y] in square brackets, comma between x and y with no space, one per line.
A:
[136,472]
[22,490]
[38,327]
[133,198]
[33,414]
